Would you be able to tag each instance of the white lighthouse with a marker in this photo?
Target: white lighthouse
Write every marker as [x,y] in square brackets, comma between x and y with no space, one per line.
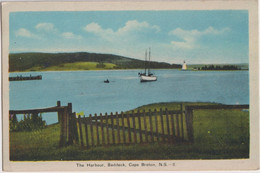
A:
[184,66]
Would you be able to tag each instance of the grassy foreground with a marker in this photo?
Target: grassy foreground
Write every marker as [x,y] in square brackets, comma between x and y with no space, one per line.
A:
[219,134]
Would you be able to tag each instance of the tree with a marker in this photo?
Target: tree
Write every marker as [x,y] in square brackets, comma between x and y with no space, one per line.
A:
[100,65]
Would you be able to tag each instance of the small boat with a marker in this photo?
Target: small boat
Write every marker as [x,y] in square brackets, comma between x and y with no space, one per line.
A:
[147,77]
[106,81]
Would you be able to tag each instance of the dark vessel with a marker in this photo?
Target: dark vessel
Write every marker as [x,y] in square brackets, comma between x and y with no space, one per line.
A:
[106,81]
[20,78]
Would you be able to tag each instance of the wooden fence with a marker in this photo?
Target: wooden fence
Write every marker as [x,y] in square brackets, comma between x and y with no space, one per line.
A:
[132,128]
[65,118]
[165,126]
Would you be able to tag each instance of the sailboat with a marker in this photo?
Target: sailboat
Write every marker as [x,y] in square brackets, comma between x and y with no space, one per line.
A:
[147,77]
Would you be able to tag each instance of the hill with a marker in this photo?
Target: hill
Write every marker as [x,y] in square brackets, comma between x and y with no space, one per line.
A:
[76,61]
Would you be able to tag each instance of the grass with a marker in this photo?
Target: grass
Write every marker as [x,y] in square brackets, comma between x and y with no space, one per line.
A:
[218,134]
[74,66]
[35,144]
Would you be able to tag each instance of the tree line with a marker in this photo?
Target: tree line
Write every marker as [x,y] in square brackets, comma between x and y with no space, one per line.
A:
[218,67]
[25,61]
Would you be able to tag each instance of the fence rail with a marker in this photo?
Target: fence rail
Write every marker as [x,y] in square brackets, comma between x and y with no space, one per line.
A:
[192,107]
[40,110]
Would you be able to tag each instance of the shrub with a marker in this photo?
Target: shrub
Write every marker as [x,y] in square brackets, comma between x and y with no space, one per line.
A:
[29,123]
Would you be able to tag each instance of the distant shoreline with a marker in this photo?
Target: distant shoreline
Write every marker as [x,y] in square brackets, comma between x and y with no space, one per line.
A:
[120,70]
[218,70]
[93,70]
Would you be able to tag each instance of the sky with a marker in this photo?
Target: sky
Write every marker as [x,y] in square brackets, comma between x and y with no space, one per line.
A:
[198,37]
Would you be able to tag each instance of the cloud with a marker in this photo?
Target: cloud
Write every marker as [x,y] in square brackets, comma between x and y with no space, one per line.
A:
[96,29]
[195,33]
[134,25]
[183,44]
[70,35]
[189,37]
[211,30]
[131,29]
[22,32]
[46,27]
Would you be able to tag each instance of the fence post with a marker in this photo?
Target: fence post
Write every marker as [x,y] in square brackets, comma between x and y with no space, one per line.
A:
[91,130]
[118,128]
[177,126]
[76,135]
[167,124]
[123,124]
[80,130]
[63,124]
[151,124]
[61,131]
[129,132]
[97,131]
[73,132]
[102,128]
[107,129]
[189,123]
[140,126]
[134,127]
[156,125]
[173,128]
[112,126]
[162,124]
[86,130]
[70,124]
[58,105]
[182,131]
[145,127]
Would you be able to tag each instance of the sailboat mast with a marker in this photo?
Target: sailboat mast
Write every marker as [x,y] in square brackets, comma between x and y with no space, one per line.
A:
[145,61]
[149,61]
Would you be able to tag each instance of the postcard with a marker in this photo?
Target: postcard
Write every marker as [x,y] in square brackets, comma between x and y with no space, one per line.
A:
[136,86]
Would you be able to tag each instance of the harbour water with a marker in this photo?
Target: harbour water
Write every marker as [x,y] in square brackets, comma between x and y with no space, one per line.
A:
[88,93]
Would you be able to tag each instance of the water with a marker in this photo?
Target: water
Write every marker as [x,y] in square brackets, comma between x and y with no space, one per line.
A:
[89,94]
